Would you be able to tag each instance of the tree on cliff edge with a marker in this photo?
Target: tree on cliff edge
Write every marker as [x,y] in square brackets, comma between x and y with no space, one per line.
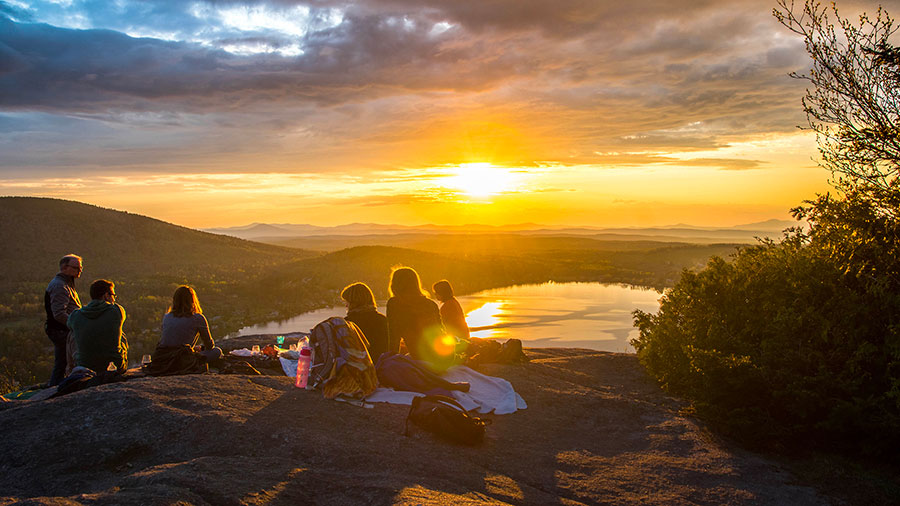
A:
[854,103]
[797,343]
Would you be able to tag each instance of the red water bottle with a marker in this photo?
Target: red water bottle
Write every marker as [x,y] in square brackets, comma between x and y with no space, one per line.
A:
[303,364]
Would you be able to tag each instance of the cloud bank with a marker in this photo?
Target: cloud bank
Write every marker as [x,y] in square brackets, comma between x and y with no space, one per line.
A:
[363,88]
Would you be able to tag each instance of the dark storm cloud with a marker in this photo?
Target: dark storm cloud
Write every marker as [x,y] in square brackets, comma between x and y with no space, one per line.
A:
[577,77]
[559,19]
[379,48]
[46,67]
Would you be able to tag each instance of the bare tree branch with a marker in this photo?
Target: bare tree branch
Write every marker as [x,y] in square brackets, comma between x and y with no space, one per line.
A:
[854,103]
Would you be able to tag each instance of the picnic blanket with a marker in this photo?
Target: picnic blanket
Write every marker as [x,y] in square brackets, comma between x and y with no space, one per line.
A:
[486,393]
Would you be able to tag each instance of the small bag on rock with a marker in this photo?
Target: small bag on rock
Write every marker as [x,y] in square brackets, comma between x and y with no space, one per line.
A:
[446,418]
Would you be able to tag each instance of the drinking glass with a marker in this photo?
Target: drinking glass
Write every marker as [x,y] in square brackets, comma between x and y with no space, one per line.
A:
[279,340]
[145,359]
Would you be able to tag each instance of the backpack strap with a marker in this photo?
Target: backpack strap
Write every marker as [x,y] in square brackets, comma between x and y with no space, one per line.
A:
[444,399]
[454,402]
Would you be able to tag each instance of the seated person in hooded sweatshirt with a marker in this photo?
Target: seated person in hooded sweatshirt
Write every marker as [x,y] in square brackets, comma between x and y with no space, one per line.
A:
[97,330]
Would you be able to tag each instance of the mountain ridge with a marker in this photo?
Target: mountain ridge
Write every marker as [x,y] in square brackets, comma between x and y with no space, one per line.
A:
[38,231]
[746,233]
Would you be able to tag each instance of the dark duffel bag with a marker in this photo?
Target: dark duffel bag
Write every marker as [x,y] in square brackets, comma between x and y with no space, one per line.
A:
[447,419]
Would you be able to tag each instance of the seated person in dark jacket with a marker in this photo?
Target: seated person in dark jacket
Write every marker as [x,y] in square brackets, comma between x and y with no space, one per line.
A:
[184,324]
[415,319]
[97,330]
[362,311]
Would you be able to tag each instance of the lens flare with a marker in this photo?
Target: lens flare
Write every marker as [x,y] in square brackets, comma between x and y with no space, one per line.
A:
[445,345]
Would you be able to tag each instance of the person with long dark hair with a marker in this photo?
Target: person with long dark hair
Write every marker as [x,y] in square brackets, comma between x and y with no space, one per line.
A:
[362,310]
[414,318]
[184,324]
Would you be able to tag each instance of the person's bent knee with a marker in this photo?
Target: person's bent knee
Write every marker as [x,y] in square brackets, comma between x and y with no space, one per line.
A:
[214,353]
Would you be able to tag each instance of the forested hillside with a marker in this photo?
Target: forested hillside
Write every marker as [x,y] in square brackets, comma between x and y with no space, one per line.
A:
[562,258]
[242,283]
[146,258]
[37,231]
[467,244]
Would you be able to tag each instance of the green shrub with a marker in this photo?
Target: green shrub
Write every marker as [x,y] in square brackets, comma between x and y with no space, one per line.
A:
[795,343]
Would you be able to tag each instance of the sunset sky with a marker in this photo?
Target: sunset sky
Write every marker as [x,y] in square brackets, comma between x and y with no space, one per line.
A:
[584,112]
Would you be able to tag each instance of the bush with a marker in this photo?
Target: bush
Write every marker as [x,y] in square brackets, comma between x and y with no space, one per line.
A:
[791,344]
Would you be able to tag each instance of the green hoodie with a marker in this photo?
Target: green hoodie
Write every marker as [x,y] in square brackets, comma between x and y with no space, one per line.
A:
[97,329]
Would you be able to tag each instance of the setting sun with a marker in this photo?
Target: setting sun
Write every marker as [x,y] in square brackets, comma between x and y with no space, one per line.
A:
[481,179]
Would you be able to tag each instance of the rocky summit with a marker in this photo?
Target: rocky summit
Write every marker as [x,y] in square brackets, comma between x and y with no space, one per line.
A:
[597,430]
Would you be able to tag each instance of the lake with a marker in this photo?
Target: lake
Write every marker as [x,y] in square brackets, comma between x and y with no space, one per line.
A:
[549,315]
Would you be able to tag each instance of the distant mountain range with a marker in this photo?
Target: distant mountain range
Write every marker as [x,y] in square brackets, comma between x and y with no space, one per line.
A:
[368,233]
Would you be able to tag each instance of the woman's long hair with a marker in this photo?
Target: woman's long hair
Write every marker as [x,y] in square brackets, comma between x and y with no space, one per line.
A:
[358,296]
[184,302]
[405,283]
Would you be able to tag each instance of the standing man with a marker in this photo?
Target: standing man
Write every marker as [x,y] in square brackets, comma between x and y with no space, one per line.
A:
[97,329]
[60,300]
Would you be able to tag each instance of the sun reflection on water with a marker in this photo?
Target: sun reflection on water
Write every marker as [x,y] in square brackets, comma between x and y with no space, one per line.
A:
[487,315]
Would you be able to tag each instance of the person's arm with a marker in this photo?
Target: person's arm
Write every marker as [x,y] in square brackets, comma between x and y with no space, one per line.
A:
[446,317]
[59,301]
[203,329]
[123,342]
[435,315]
[393,328]
[383,333]
[462,323]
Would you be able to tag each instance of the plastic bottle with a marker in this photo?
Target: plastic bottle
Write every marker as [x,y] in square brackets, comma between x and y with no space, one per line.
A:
[303,364]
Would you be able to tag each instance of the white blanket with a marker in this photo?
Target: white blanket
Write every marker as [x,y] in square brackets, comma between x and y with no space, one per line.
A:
[486,393]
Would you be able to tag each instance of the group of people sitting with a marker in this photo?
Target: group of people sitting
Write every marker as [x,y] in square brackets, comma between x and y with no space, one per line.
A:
[414,323]
[91,336]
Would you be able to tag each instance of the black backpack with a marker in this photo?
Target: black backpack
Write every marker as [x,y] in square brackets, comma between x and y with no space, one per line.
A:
[446,418]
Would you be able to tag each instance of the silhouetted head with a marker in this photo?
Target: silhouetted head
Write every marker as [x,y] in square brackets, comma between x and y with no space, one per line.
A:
[405,283]
[71,265]
[442,290]
[101,288]
[185,302]
[358,296]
